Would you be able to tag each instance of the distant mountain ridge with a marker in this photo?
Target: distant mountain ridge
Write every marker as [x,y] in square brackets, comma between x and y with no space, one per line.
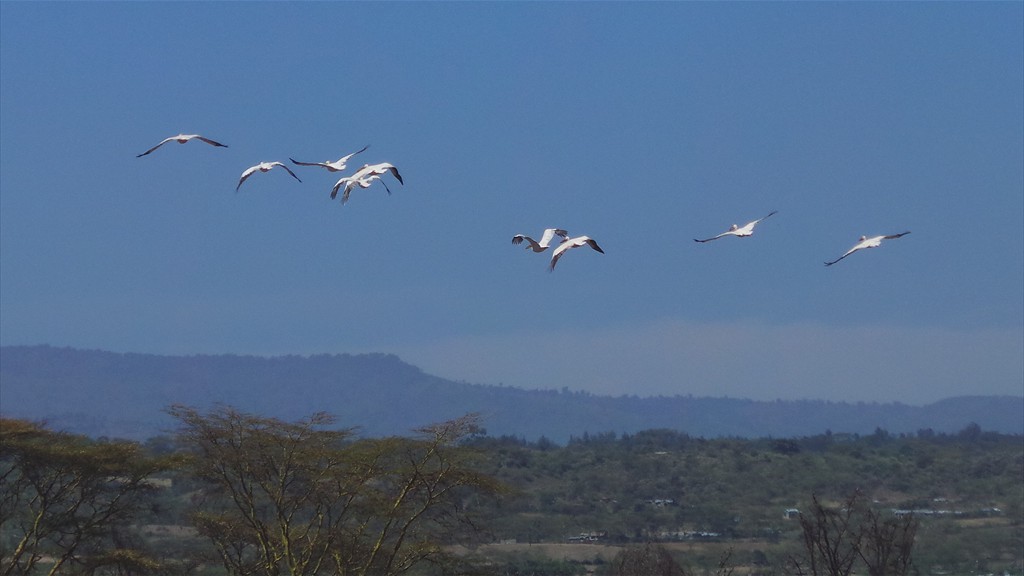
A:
[124,395]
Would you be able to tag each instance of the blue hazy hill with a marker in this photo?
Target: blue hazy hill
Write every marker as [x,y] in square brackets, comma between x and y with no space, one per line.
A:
[111,394]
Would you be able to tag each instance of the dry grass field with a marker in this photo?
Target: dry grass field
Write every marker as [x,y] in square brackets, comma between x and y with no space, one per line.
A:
[594,554]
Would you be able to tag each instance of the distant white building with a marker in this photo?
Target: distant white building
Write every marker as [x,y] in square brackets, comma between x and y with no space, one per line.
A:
[588,536]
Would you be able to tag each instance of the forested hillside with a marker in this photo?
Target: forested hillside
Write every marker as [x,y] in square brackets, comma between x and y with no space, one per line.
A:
[125,395]
[241,490]
[655,482]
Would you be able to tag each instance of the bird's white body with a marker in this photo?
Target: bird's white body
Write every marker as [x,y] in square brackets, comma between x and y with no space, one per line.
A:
[569,244]
[545,239]
[263,167]
[336,166]
[865,242]
[181,139]
[741,232]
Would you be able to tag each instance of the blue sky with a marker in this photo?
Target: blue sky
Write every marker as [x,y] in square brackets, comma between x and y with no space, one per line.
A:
[642,125]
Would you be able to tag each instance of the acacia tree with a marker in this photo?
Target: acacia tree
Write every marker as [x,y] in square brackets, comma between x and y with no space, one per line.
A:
[420,496]
[887,542]
[835,539]
[65,501]
[266,505]
[830,538]
[299,498]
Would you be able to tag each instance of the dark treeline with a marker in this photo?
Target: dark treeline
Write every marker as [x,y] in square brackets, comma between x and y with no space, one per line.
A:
[237,493]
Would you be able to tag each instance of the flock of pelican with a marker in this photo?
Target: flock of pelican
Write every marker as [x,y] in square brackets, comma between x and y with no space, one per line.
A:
[362,177]
[566,243]
[369,173]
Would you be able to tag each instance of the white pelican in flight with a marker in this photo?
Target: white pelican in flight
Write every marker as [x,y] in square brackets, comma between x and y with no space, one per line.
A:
[545,240]
[336,166]
[569,244]
[865,242]
[364,177]
[181,139]
[263,167]
[352,181]
[734,230]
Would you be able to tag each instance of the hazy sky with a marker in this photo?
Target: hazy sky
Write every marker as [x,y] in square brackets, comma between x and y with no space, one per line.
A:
[642,125]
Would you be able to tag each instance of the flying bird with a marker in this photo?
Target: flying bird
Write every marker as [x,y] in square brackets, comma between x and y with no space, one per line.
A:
[351,182]
[336,166]
[734,230]
[181,139]
[545,240]
[364,177]
[569,244]
[865,242]
[263,167]
[380,170]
